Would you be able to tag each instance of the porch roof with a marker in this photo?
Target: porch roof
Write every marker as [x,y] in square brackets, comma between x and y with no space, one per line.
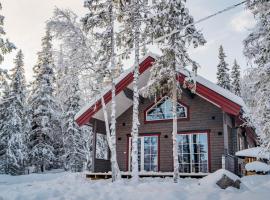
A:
[226,100]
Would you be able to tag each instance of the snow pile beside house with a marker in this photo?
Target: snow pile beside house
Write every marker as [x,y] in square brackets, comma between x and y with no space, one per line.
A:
[255,152]
[257,166]
[212,179]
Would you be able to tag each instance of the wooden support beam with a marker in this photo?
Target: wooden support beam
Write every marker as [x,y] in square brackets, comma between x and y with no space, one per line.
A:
[129,94]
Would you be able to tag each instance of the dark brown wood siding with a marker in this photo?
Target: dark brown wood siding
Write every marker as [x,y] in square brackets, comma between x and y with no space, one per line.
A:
[202,116]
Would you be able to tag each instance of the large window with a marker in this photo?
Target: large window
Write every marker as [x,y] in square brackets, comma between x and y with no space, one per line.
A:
[162,110]
[193,152]
[147,153]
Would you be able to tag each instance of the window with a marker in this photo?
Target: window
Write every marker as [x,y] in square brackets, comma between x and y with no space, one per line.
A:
[147,153]
[193,152]
[102,148]
[162,110]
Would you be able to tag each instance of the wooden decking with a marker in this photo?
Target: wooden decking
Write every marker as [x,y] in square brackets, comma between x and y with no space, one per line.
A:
[108,175]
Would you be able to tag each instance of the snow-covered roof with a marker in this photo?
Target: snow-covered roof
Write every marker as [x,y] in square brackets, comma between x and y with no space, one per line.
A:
[107,89]
[257,166]
[255,152]
[206,83]
[226,93]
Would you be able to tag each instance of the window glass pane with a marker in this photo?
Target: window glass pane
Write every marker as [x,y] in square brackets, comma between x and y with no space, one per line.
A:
[154,140]
[193,153]
[195,168]
[203,168]
[163,110]
[150,153]
[184,168]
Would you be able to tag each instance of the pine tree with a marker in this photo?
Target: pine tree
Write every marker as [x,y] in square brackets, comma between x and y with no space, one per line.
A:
[235,77]
[257,49]
[100,21]
[223,76]
[170,16]
[46,130]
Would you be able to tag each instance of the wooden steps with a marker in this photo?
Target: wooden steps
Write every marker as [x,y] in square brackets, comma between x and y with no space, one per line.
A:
[108,175]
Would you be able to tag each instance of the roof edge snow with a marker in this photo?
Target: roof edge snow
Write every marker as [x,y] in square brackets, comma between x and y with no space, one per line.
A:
[229,102]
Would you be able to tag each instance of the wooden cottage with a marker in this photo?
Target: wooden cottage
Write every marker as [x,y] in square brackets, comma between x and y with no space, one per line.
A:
[209,131]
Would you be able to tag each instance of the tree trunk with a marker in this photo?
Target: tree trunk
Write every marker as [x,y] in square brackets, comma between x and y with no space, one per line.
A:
[135,118]
[174,135]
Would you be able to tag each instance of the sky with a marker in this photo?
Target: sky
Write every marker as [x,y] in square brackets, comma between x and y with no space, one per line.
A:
[25,25]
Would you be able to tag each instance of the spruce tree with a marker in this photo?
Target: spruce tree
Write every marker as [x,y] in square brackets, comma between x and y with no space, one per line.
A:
[170,16]
[6,47]
[257,49]
[223,76]
[45,136]
[235,77]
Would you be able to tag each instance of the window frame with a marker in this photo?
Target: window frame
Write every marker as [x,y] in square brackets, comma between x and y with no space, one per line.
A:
[165,120]
[207,132]
[128,157]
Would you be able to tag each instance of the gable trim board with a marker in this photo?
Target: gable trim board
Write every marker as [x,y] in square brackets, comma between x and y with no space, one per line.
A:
[216,95]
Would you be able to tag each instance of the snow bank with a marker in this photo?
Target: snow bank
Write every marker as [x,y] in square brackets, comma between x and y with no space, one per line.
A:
[257,166]
[255,152]
[74,186]
[211,179]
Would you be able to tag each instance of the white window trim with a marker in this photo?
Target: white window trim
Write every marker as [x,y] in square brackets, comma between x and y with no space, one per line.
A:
[149,120]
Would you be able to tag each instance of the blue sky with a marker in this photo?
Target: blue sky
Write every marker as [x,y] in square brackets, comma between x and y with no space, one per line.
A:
[25,22]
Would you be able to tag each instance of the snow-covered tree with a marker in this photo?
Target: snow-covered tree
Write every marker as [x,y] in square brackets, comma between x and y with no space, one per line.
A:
[134,20]
[235,77]
[6,45]
[77,46]
[170,16]
[14,126]
[223,76]
[100,21]
[257,49]
[45,136]
[74,61]
[4,136]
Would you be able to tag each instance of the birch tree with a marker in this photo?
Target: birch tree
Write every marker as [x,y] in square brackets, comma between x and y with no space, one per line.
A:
[134,20]
[170,16]
[100,21]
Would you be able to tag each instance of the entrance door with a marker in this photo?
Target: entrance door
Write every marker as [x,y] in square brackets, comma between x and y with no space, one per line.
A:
[147,153]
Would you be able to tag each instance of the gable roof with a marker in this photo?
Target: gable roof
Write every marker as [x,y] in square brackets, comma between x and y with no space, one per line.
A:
[226,100]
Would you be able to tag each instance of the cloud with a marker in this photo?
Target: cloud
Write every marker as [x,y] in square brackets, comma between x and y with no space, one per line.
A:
[242,21]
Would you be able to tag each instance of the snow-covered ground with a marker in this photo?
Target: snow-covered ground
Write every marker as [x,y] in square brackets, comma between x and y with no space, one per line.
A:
[69,186]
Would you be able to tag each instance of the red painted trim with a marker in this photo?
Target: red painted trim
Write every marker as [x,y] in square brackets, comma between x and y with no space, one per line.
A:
[166,120]
[226,105]
[144,134]
[86,116]
[208,140]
